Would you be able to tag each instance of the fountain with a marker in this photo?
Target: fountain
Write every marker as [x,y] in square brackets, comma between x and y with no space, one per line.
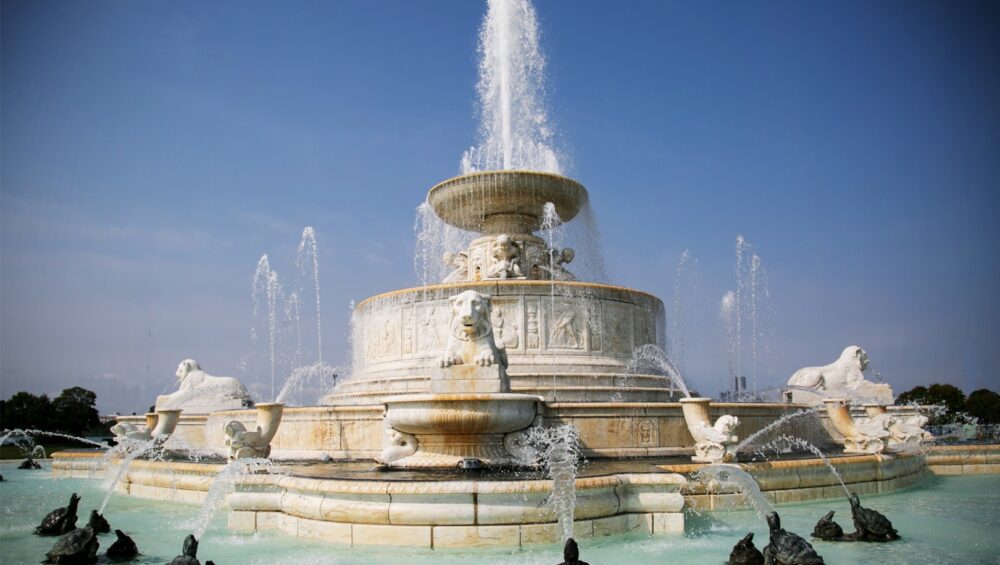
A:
[473,398]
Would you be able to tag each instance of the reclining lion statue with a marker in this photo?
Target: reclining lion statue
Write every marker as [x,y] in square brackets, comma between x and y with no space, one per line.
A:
[201,392]
[843,377]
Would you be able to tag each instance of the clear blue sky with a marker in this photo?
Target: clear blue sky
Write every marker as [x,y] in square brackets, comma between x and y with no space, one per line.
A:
[151,151]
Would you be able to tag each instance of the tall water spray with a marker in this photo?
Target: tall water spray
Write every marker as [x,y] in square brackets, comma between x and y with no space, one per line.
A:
[744,314]
[685,284]
[267,289]
[308,263]
[514,129]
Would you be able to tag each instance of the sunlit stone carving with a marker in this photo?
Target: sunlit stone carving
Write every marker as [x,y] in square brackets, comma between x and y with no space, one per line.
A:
[710,440]
[201,393]
[159,426]
[245,443]
[401,445]
[870,437]
[842,378]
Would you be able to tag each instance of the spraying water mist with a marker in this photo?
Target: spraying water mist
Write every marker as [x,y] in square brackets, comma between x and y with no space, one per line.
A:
[514,130]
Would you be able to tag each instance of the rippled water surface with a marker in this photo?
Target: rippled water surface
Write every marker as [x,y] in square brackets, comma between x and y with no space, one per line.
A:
[943,520]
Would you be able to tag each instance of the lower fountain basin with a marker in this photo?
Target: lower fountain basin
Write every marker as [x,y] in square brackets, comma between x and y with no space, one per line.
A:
[461,413]
[448,429]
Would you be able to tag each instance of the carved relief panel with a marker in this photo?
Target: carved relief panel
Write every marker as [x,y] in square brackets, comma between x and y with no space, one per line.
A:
[507,323]
[566,326]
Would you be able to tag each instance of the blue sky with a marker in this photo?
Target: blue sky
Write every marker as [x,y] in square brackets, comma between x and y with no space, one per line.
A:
[152,151]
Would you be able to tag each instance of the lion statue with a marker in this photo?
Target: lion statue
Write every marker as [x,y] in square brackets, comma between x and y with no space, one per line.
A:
[844,371]
[471,339]
[842,378]
[201,392]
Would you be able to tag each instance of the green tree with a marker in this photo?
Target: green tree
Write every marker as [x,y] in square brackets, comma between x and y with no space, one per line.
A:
[75,411]
[984,404]
[25,411]
[949,396]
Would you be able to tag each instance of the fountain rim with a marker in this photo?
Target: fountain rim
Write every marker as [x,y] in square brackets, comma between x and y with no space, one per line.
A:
[504,282]
[568,194]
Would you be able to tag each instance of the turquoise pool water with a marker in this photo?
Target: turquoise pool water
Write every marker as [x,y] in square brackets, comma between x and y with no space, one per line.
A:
[943,520]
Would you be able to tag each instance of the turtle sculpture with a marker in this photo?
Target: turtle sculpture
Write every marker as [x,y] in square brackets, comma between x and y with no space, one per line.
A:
[571,554]
[787,548]
[124,549]
[61,520]
[98,523]
[78,546]
[870,525]
[828,530]
[746,553]
[29,463]
[189,555]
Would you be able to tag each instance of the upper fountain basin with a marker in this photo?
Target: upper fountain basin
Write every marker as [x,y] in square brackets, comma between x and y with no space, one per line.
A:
[497,202]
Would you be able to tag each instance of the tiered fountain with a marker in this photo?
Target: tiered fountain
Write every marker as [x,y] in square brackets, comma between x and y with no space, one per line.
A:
[507,361]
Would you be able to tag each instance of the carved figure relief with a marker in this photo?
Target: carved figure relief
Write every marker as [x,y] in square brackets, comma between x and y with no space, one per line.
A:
[532,326]
[431,339]
[566,331]
[557,261]
[387,339]
[646,432]
[506,332]
[507,259]
[408,345]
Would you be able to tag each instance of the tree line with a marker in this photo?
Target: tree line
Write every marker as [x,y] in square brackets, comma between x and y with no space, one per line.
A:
[982,404]
[73,412]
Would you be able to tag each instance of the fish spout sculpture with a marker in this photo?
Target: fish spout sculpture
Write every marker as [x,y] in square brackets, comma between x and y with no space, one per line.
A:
[745,552]
[710,440]
[870,525]
[245,443]
[61,520]
[787,548]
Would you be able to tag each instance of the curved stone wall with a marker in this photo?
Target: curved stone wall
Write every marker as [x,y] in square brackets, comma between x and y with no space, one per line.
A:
[565,341]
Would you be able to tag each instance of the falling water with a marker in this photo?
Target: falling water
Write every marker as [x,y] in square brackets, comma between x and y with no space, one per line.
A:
[33,432]
[744,314]
[434,237]
[267,287]
[293,314]
[770,427]
[133,450]
[730,475]
[651,358]
[318,372]
[685,283]
[222,484]
[308,262]
[557,449]
[792,442]
[514,131]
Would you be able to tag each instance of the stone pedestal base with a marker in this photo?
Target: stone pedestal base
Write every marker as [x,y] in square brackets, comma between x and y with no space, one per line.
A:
[469,379]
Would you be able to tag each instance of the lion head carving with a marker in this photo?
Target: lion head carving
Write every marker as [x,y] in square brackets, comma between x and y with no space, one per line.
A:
[185,367]
[470,315]
[854,356]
